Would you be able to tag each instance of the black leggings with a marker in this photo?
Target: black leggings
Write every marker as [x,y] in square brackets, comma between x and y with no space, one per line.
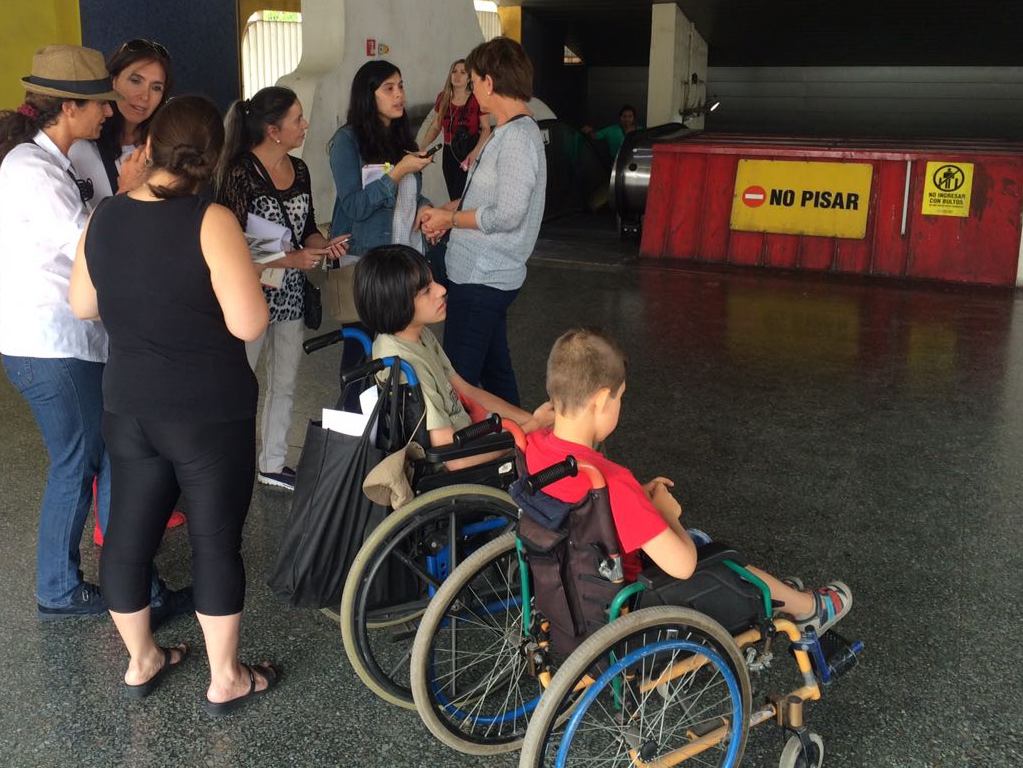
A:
[212,467]
[454,176]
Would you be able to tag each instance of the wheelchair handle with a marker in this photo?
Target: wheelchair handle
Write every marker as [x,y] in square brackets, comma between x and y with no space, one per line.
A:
[346,334]
[375,366]
[488,426]
[319,342]
[567,468]
[361,372]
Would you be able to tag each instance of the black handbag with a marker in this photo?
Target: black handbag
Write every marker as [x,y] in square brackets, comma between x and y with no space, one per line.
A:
[462,143]
[312,304]
[330,515]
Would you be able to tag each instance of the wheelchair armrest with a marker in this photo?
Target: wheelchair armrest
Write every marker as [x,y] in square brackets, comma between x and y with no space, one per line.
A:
[707,555]
[500,441]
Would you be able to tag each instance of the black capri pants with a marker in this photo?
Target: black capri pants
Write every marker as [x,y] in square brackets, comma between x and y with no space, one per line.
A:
[212,467]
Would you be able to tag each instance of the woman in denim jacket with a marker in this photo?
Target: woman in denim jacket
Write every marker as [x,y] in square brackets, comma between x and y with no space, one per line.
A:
[377,170]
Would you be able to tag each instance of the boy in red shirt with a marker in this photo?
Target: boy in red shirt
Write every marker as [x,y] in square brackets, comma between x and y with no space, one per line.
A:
[585,382]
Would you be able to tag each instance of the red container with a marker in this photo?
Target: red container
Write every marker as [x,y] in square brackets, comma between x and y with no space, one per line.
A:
[693,188]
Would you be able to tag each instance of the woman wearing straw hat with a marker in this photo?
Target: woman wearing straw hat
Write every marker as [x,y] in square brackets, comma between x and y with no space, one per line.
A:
[53,359]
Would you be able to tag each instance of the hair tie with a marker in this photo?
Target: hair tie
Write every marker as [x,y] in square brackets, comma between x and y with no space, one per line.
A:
[246,106]
[28,111]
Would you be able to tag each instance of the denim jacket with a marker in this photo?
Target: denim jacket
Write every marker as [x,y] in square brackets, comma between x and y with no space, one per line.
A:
[367,213]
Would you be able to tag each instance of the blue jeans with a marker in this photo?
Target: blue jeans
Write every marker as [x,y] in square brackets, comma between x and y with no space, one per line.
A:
[476,338]
[66,398]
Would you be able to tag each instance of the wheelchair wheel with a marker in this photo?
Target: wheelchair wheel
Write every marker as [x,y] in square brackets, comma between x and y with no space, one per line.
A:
[794,756]
[670,685]
[470,675]
[400,566]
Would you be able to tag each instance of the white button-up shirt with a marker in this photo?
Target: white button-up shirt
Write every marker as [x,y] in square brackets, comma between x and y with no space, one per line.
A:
[41,220]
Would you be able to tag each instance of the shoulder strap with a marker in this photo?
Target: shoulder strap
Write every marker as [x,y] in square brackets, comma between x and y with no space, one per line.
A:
[110,166]
[264,174]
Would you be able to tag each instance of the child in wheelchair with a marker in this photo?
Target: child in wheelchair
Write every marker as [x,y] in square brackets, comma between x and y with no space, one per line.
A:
[586,373]
[397,298]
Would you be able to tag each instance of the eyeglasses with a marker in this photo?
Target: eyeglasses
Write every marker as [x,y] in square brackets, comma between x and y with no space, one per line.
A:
[141,45]
[85,188]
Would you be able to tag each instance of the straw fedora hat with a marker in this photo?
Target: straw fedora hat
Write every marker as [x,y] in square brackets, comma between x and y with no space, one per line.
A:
[70,72]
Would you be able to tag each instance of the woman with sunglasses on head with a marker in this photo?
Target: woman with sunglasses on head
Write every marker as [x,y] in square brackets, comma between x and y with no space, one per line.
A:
[53,359]
[259,177]
[377,171]
[179,396]
[142,77]
[457,113]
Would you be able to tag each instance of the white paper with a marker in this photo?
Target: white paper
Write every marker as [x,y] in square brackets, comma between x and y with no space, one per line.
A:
[267,239]
[273,277]
[269,257]
[371,173]
[354,424]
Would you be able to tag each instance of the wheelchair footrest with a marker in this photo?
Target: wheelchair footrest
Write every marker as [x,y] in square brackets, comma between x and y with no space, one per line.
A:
[831,654]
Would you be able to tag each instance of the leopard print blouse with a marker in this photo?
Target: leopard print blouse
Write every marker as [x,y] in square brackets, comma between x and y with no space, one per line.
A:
[246,191]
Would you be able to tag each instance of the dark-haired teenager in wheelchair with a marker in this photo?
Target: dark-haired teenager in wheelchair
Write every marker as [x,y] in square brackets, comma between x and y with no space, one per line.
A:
[397,299]
[586,374]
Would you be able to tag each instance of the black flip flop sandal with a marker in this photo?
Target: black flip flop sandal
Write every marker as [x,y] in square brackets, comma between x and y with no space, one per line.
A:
[142,690]
[267,670]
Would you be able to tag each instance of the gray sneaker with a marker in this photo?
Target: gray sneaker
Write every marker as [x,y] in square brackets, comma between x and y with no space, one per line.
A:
[284,479]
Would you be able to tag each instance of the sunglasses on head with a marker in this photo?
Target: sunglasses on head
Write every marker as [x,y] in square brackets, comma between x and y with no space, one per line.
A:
[149,46]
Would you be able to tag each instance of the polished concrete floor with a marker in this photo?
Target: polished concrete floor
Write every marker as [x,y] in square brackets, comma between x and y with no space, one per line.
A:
[862,430]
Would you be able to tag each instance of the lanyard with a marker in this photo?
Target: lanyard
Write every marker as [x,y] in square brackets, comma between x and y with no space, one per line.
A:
[472,173]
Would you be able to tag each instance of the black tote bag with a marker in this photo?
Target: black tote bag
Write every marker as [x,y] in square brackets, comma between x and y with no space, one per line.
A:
[330,515]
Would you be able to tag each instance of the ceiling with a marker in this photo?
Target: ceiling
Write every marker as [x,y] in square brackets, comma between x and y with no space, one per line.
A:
[799,32]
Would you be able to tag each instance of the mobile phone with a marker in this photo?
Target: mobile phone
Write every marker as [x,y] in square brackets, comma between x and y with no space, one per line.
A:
[433,150]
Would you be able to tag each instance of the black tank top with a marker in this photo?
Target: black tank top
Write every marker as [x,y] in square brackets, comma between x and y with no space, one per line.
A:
[171,355]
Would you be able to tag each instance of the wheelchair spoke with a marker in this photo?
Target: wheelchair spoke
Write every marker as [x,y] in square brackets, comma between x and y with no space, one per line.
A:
[478,673]
[417,569]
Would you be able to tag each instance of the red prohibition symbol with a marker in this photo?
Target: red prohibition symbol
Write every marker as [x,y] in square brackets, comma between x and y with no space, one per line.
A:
[754,196]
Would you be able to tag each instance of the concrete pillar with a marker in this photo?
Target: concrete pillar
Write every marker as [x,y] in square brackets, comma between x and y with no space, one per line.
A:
[421,39]
[678,67]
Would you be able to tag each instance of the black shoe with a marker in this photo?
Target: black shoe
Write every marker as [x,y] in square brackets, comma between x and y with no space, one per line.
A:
[86,601]
[168,604]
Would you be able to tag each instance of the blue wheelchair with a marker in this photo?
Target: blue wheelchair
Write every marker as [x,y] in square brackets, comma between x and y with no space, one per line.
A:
[408,556]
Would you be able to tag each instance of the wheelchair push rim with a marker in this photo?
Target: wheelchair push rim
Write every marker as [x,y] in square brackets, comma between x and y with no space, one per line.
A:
[378,638]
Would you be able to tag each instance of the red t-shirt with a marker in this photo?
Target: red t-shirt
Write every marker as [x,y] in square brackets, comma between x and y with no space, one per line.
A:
[636,518]
[467,115]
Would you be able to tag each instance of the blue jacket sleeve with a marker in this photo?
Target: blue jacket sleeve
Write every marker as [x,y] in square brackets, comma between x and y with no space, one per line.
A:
[356,203]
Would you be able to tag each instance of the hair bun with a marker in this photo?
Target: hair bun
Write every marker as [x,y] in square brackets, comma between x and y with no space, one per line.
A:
[186,156]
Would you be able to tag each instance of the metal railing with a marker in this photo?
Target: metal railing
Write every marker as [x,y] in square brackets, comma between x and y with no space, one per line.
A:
[271,48]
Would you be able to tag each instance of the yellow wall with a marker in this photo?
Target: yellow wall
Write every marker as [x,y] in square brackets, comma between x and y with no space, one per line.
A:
[26,26]
[511,21]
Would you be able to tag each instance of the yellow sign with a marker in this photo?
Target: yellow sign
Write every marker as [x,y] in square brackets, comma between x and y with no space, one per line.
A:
[947,189]
[802,198]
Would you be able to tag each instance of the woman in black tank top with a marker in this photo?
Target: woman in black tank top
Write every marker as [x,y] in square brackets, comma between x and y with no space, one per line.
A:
[171,276]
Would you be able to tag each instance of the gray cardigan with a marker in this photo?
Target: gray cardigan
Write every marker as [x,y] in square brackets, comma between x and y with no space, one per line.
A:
[507,188]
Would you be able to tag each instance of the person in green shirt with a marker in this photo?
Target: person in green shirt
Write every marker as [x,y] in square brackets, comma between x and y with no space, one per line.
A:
[615,134]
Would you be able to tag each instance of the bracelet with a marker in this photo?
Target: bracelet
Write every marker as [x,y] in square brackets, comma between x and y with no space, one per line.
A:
[453,224]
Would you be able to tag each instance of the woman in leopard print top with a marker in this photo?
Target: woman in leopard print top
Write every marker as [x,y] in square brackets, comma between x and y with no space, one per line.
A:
[261,178]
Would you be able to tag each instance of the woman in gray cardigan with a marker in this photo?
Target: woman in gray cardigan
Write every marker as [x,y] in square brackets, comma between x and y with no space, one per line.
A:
[495,224]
